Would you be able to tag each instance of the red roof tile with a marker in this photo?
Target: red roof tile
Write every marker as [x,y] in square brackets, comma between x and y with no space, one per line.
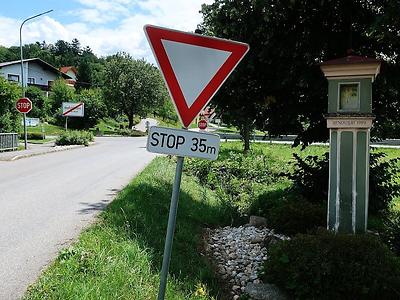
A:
[66,69]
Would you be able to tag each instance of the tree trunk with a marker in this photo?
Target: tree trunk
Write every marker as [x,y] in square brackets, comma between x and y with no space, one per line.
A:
[130,120]
[246,136]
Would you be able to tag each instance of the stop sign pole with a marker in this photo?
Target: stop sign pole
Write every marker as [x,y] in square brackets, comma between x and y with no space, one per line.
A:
[24,105]
[25,133]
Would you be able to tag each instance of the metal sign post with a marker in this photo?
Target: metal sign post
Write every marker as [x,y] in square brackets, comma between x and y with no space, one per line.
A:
[179,142]
[25,133]
[171,228]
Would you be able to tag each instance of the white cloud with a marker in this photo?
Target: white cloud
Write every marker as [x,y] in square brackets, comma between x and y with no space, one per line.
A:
[47,29]
[11,26]
[109,26]
[101,11]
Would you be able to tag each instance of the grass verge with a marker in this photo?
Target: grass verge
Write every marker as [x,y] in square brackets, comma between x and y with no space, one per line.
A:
[120,256]
[49,129]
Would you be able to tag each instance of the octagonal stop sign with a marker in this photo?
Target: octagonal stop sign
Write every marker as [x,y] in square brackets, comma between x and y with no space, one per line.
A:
[24,105]
[202,124]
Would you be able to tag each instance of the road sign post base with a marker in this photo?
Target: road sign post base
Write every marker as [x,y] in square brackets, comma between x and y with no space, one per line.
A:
[171,228]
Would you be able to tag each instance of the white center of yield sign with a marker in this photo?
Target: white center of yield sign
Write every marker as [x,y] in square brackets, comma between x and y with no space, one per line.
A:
[204,64]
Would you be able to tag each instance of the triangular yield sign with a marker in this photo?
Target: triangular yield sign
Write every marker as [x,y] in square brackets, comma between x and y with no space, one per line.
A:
[194,66]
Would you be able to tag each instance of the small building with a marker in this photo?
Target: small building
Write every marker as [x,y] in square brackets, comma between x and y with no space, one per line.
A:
[71,72]
[37,73]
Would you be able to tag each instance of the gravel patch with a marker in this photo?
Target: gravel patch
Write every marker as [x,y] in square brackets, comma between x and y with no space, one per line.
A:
[238,254]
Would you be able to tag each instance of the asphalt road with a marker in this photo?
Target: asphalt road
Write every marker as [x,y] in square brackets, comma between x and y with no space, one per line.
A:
[46,200]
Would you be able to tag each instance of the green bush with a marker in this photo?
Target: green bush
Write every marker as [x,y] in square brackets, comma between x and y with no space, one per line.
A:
[391,231]
[236,177]
[35,136]
[40,103]
[74,138]
[291,216]
[131,132]
[32,136]
[10,118]
[384,182]
[95,109]
[329,266]
[311,174]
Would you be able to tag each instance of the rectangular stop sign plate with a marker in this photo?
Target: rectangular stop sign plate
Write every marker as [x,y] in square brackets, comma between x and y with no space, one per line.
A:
[183,142]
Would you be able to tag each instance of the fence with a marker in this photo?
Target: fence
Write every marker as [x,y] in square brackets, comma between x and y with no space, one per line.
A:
[8,141]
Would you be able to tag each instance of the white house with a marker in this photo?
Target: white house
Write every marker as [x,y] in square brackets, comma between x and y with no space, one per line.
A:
[71,72]
[36,72]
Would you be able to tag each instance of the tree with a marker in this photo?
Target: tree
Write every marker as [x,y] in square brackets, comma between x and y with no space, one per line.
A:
[84,76]
[40,103]
[76,47]
[6,54]
[60,92]
[288,39]
[241,98]
[132,87]
[167,110]
[95,109]
[9,117]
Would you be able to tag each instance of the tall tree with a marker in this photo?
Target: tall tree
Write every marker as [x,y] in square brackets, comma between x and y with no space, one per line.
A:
[84,76]
[76,47]
[9,117]
[132,87]
[40,103]
[95,108]
[241,99]
[288,39]
[60,92]
[6,54]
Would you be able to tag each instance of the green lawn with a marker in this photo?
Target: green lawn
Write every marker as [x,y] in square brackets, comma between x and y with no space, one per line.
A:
[167,122]
[120,256]
[232,129]
[228,130]
[108,125]
[282,155]
[48,129]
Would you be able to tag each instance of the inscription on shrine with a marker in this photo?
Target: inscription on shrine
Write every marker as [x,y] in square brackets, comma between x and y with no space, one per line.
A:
[349,123]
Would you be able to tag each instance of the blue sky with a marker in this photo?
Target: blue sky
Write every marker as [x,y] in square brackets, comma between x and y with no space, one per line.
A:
[106,26]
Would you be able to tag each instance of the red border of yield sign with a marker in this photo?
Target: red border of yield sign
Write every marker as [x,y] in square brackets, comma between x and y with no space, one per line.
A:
[155,35]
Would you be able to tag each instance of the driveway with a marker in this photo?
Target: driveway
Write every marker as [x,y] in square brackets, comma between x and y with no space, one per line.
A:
[141,126]
[46,200]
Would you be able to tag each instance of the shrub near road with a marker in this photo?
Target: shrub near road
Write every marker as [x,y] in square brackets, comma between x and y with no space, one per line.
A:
[252,183]
[310,176]
[74,137]
[329,266]
[236,178]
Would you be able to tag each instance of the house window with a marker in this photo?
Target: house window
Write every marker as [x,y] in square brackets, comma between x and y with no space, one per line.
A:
[13,77]
[31,80]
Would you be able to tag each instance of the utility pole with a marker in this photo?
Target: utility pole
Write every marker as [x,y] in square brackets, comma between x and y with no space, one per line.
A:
[22,67]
